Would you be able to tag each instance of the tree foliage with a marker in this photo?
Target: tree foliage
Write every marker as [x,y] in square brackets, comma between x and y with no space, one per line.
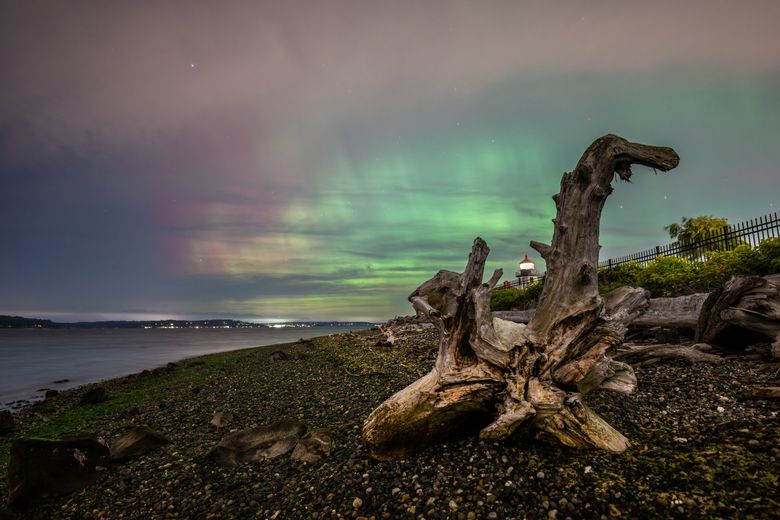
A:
[695,229]
[702,235]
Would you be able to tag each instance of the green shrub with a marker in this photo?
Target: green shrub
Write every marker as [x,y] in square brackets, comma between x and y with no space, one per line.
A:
[502,299]
[620,275]
[508,299]
[668,276]
[769,253]
[722,265]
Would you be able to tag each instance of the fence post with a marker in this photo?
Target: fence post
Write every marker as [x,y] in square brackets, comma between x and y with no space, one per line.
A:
[726,244]
[657,251]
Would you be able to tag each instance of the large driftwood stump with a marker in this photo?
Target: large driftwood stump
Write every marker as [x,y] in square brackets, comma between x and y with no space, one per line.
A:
[509,375]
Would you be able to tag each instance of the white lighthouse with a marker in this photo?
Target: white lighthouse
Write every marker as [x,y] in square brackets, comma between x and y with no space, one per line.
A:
[527,274]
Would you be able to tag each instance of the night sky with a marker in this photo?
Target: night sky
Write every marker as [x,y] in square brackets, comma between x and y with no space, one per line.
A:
[319,160]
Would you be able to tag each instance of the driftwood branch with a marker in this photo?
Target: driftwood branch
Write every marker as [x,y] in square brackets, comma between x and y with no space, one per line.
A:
[505,376]
[647,354]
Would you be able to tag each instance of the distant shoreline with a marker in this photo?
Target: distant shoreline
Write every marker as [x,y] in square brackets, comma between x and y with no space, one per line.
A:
[19,322]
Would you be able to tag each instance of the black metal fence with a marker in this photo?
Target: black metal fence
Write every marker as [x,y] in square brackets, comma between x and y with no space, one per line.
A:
[750,232]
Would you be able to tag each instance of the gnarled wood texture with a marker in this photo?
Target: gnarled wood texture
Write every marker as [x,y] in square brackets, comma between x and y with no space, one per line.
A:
[746,308]
[512,376]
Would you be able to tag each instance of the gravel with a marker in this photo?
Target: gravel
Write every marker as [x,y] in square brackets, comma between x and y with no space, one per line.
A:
[727,467]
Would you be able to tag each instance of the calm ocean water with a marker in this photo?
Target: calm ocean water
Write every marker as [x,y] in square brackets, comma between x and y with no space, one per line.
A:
[33,359]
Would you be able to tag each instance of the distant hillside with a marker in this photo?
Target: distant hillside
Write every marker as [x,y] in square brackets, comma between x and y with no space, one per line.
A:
[17,322]
[20,322]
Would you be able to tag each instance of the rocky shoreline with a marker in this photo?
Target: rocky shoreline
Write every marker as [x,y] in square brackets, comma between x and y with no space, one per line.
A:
[699,449]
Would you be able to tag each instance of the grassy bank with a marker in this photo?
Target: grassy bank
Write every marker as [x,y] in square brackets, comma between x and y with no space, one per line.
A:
[61,416]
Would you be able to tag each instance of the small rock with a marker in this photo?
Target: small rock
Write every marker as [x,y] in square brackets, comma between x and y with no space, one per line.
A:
[136,442]
[680,440]
[220,420]
[453,505]
[51,393]
[540,475]
[94,396]
[721,409]
[588,469]
[357,503]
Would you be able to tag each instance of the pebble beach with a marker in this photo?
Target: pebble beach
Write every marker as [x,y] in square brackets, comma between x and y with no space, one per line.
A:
[699,448]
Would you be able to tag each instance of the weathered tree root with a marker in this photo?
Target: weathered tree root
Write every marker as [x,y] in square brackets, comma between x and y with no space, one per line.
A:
[512,376]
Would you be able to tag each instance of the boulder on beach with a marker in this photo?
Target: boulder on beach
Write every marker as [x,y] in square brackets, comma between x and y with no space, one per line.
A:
[261,442]
[51,393]
[40,469]
[314,446]
[94,396]
[220,420]
[6,422]
[278,355]
[136,442]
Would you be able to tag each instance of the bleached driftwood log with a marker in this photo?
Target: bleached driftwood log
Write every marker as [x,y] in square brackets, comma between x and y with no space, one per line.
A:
[675,312]
[509,375]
